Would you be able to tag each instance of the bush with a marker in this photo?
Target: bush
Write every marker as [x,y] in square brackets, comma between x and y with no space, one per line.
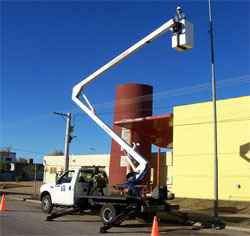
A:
[19,178]
[2,166]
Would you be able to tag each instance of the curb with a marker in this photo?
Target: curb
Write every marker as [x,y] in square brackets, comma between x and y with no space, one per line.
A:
[238,228]
[32,201]
[24,199]
[16,198]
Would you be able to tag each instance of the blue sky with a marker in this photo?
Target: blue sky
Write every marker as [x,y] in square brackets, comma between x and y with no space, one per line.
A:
[49,46]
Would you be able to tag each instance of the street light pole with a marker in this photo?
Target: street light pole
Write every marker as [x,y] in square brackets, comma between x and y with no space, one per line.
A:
[216,223]
[67,140]
[35,180]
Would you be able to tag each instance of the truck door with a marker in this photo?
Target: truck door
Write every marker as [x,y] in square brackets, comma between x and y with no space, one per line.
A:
[63,193]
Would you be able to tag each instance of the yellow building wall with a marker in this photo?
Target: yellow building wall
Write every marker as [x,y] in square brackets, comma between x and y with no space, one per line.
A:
[192,172]
[55,164]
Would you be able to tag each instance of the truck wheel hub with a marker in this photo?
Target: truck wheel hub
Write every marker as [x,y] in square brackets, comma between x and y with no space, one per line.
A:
[107,215]
[45,203]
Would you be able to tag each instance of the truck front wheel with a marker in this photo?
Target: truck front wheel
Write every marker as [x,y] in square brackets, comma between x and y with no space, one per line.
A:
[47,205]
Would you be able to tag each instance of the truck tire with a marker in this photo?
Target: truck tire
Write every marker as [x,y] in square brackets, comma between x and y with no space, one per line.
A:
[46,205]
[107,213]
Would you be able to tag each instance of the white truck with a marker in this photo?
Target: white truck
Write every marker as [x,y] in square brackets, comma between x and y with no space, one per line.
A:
[70,191]
[85,188]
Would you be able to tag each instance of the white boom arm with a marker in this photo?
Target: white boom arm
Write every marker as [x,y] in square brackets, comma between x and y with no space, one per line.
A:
[88,108]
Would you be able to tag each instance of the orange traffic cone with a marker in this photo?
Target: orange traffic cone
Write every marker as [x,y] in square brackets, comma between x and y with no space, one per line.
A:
[3,203]
[155,228]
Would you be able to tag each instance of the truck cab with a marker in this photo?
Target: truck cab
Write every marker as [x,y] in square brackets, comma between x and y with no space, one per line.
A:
[72,186]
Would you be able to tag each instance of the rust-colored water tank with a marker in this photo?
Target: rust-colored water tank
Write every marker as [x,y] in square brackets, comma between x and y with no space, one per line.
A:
[132,101]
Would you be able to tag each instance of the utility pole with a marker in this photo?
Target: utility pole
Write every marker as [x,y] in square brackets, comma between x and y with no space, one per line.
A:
[68,137]
[217,224]
[67,141]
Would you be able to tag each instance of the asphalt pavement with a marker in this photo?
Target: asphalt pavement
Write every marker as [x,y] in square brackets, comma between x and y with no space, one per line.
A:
[26,219]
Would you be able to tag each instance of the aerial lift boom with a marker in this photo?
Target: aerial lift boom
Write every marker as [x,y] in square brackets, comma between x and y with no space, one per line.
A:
[182,37]
[132,205]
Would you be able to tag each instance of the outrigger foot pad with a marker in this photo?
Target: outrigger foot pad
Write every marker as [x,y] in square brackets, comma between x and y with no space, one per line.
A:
[103,230]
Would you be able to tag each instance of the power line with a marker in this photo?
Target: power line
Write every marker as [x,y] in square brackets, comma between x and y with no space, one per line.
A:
[159,95]
[181,91]
[156,108]
[176,92]
[219,121]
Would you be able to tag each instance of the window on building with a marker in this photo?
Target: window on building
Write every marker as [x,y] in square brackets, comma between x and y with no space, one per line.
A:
[125,134]
[52,170]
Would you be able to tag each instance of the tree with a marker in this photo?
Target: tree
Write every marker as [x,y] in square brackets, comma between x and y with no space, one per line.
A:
[28,172]
[6,149]
[22,160]
[4,152]
[2,166]
[56,153]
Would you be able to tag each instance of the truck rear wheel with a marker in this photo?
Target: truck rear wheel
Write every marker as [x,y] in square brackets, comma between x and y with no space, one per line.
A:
[46,205]
[108,213]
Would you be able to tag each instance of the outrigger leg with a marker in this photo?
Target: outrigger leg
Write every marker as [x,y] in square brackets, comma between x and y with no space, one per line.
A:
[62,213]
